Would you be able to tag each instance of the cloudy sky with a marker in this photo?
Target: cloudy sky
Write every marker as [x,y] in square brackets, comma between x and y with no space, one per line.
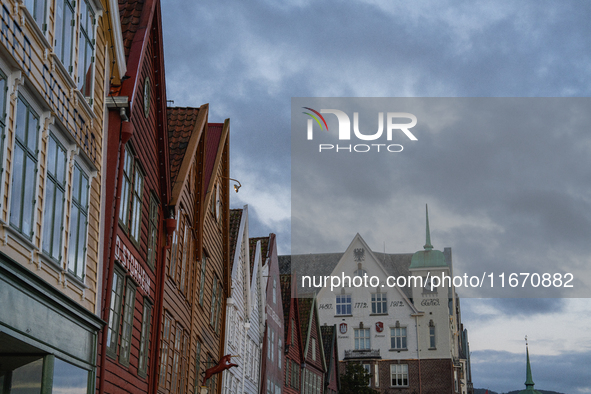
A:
[505,189]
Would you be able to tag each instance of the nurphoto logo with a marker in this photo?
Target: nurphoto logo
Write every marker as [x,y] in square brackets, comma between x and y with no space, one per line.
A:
[344,130]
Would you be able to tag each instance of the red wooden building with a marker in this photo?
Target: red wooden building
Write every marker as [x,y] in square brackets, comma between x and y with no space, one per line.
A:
[293,342]
[272,368]
[136,193]
[332,383]
[314,370]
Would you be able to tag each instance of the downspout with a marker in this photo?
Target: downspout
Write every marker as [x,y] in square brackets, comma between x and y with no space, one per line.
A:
[126,133]
[418,352]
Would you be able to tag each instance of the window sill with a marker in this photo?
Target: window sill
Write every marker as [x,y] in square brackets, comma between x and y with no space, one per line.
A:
[432,348]
[78,281]
[64,73]
[399,387]
[35,28]
[398,350]
[379,314]
[85,104]
[20,238]
[343,315]
[55,264]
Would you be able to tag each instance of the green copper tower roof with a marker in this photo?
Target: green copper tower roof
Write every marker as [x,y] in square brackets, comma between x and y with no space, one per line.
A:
[529,382]
[427,258]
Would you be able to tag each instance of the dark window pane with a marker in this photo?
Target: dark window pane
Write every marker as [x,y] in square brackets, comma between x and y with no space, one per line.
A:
[69,379]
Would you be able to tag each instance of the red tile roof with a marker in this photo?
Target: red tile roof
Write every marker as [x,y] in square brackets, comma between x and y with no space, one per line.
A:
[181,124]
[212,142]
[130,12]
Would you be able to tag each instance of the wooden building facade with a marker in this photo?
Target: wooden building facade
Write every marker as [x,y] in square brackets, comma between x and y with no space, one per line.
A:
[52,106]
[197,263]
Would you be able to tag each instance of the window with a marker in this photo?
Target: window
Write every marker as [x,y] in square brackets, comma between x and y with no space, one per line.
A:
[78,223]
[279,354]
[272,345]
[131,196]
[65,22]
[399,374]
[185,252]
[86,49]
[198,376]
[145,338]
[24,169]
[153,231]
[274,291]
[202,279]
[3,90]
[127,328]
[344,304]
[114,313]
[398,338]
[376,374]
[362,339]
[37,10]
[55,192]
[314,349]
[176,359]
[431,335]
[184,363]
[379,303]
[367,368]
[216,303]
[164,350]
[218,202]
[292,331]
[147,98]
[360,272]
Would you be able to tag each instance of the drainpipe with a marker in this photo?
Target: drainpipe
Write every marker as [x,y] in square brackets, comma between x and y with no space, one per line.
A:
[126,133]
[418,352]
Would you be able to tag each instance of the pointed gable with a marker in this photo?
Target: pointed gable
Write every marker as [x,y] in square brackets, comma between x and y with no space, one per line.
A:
[181,124]
[212,142]
[264,250]
[235,218]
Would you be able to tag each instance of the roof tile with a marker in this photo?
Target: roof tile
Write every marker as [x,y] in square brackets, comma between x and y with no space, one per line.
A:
[181,124]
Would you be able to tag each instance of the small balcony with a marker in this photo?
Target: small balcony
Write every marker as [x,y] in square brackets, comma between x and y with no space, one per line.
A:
[362,354]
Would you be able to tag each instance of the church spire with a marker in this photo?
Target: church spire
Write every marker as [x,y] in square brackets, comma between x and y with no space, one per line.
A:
[529,382]
[428,245]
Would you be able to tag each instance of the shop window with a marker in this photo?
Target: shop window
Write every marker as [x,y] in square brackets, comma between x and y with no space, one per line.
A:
[55,191]
[78,223]
[24,168]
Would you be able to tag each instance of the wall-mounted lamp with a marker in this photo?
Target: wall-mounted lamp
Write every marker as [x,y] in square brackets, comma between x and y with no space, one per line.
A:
[236,187]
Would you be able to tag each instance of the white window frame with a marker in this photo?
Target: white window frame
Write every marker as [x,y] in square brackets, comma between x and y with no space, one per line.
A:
[362,342]
[398,337]
[347,303]
[379,303]
[398,373]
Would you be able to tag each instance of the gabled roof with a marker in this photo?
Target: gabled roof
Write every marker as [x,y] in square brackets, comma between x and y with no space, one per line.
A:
[264,249]
[212,142]
[307,310]
[285,283]
[323,264]
[235,218]
[181,124]
[328,337]
[130,12]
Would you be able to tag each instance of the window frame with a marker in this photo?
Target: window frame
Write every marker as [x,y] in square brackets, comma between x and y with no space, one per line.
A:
[432,336]
[348,303]
[3,113]
[153,221]
[81,242]
[164,349]
[143,356]
[202,278]
[67,60]
[115,312]
[397,376]
[27,153]
[379,303]
[127,322]
[89,37]
[397,338]
[365,338]
[57,187]
[130,198]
